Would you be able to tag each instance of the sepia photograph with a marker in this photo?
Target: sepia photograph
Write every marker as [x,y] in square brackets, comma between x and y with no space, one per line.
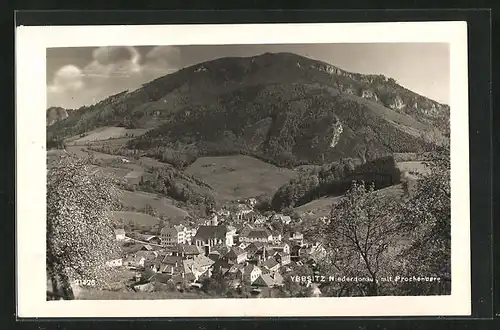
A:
[250,172]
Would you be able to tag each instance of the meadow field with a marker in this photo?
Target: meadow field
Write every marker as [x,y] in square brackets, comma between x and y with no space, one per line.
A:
[236,177]
[140,219]
[163,205]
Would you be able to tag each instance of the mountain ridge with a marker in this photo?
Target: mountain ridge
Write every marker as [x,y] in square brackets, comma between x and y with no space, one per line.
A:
[262,101]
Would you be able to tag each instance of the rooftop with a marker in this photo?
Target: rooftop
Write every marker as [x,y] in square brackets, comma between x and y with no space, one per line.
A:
[258,233]
[209,232]
[270,263]
[235,252]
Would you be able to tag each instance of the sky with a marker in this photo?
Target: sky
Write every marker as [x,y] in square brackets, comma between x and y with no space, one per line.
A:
[86,75]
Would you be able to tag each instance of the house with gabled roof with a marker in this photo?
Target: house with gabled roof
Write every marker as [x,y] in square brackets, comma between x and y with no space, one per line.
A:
[269,280]
[114,262]
[256,235]
[221,267]
[147,247]
[253,249]
[186,251]
[197,270]
[276,237]
[250,273]
[202,266]
[243,245]
[285,219]
[120,234]
[271,264]
[172,260]
[222,249]
[134,177]
[134,261]
[215,255]
[295,238]
[281,247]
[283,258]
[236,268]
[243,212]
[236,255]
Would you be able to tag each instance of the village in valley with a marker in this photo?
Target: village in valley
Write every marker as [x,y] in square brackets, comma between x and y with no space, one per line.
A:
[242,248]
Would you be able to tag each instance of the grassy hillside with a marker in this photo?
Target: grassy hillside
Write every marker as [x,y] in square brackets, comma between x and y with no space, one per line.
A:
[322,207]
[139,219]
[235,177]
[334,179]
[164,206]
[106,133]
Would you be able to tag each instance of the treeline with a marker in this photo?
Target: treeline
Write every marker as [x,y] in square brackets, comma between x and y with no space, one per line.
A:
[177,185]
[55,142]
[335,179]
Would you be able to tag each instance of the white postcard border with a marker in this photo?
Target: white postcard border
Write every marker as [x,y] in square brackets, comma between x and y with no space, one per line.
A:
[31,45]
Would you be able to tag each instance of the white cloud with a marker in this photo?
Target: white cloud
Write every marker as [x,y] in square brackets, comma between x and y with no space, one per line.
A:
[162,60]
[113,62]
[112,70]
[67,78]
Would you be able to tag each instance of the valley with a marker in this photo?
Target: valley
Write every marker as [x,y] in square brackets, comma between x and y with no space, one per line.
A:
[214,158]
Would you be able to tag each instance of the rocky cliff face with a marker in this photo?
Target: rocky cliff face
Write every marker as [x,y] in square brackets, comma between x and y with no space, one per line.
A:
[55,114]
[387,92]
[337,131]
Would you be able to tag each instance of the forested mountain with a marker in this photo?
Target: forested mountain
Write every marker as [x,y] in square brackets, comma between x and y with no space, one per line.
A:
[281,107]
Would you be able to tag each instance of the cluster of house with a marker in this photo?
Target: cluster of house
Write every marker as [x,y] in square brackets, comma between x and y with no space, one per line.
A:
[251,253]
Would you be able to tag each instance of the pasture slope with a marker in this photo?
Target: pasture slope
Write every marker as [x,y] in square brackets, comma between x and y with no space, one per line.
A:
[237,177]
[141,219]
[106,133]
[322,207]
[165,206]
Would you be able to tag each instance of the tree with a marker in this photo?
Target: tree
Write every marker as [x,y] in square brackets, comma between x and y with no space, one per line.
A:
[263,203]
[80,236]
[215,285]
[359,238]
[290,288]
[427,216]
[148,209]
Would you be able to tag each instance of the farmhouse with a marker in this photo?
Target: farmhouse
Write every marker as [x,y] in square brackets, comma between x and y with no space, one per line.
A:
[283,258]
[276,237]
[236,255]
[186,251]
[251,273]
[199,266]
[243,211]
[134,261]
[153,239]
[133,177]
[283,247]
[271,264]
[253,248]
[285,219]
[120,234]
[269,280]
[114,262]
[296,238]
[221,267]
